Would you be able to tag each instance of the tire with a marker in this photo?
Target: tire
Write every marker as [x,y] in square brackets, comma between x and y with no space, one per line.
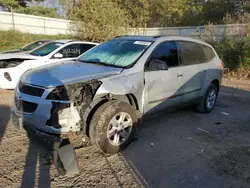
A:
[101,123]
[204,107]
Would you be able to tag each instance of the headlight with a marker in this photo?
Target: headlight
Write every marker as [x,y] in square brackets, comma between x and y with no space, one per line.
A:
[59,93]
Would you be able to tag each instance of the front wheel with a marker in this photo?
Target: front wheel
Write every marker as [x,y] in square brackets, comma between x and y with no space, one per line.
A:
[113,126]
[209,99]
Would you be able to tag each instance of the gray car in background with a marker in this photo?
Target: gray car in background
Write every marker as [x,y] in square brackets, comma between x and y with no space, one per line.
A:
[109,88]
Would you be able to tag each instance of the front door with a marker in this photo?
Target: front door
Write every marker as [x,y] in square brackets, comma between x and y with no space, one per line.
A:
[163,87]
[194,70]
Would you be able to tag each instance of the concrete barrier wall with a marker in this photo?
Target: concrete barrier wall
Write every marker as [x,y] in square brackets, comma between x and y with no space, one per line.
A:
[34,24]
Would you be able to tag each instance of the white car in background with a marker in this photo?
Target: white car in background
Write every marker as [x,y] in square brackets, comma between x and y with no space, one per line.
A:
[12,66]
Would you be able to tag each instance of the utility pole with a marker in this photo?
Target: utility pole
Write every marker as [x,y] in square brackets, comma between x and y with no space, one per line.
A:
[13,20]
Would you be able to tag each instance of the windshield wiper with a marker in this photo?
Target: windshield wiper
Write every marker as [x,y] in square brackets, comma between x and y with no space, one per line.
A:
[100,63]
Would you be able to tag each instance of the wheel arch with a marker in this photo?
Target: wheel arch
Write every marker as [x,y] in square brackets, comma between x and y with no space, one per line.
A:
[217,83]
[88,114]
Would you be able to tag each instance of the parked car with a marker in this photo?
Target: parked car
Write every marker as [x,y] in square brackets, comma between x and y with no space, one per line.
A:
[13,66]
[108,89]
[27,48]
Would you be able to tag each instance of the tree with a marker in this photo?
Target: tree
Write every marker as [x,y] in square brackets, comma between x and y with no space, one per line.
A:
[192,13]
[165,13]
[98,20]
[241,10]
[225,11]
[20,6]
[7,5]
[68,6]
[39,11]
[138,11]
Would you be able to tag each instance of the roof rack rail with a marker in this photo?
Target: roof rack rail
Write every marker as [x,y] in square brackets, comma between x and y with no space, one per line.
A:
[120,36]
[158,36]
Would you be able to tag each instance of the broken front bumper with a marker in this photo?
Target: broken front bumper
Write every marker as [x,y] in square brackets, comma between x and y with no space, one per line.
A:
[64,156]
[50,141]
[37,111]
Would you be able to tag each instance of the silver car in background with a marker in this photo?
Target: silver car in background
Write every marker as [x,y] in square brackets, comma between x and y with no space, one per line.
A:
[109,88]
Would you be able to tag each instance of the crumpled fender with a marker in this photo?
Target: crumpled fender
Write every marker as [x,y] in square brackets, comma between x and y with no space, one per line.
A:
[122,85]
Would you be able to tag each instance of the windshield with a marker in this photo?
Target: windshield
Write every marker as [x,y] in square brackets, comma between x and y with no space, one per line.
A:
[33,45]
[117,52]
[46,49]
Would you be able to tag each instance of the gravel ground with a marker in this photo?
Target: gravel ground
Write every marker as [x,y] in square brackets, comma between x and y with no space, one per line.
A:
[181,149]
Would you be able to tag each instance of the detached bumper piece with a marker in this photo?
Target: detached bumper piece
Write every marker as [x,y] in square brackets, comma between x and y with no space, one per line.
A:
[65,159]
[64,156]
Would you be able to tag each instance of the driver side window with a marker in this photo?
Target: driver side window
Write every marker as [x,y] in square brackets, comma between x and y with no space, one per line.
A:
[71,51]
[167,52]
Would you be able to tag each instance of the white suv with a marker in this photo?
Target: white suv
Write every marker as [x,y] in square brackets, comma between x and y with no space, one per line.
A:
[106,90]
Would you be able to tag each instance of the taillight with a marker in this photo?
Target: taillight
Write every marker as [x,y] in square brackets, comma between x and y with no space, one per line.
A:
[222,64]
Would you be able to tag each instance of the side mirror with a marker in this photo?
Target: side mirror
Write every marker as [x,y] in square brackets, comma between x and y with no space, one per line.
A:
[156,64]
[58,56]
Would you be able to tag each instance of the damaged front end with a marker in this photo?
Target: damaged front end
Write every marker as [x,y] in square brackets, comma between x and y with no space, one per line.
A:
[69,104]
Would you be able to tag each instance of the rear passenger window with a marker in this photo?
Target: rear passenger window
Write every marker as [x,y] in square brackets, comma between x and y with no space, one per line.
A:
[85,47]
[71,51]
[191,53]
[208,51]
[166,51]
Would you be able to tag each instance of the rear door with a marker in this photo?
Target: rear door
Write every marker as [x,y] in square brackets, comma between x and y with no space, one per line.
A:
[194,70]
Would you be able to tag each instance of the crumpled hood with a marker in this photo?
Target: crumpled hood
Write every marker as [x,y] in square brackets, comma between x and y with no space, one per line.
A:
[64,73]
[18,56]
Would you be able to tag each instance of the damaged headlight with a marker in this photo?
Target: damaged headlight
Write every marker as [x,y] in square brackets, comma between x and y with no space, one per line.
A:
[79,93]
[10,63]
[59,93]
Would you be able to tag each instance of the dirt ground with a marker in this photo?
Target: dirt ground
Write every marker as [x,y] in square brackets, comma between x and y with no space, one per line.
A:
[183,149]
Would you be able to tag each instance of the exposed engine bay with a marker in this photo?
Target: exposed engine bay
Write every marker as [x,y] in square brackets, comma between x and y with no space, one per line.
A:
[74,100]
[8,63]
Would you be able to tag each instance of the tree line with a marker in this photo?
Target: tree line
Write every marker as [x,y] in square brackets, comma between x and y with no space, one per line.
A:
[145,13]
[98,20]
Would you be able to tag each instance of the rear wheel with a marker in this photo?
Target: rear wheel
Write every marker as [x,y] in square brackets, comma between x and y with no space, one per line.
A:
[113,126]
[209,100]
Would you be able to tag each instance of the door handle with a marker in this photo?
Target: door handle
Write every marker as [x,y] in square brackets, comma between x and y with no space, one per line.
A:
[179,75]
